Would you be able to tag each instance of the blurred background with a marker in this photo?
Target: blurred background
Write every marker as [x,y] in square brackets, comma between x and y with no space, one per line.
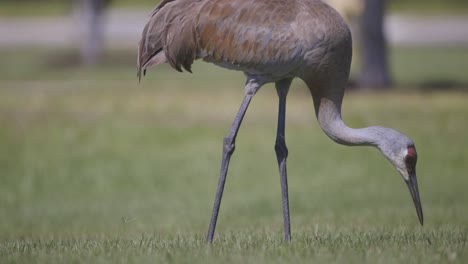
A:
[84,148]
[396,42]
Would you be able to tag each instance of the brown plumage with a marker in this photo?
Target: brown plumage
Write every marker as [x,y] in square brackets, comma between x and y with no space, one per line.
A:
[272,41]
[255,36]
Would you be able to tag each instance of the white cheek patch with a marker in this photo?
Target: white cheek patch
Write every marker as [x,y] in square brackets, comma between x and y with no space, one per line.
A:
[401,165]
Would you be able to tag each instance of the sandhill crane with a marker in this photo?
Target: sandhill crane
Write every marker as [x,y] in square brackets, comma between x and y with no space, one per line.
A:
[272,41]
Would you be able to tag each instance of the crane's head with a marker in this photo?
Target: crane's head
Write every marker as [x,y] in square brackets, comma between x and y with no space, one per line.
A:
[401,152]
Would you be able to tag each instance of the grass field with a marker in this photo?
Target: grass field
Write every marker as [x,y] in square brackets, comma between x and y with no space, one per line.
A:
[428,68]
[98,169]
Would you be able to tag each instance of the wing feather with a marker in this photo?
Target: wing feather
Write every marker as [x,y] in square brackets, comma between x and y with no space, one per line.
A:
[169,36]
[261,36]
[248,33]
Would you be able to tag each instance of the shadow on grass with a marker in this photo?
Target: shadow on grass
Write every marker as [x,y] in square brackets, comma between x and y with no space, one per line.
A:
[442,85]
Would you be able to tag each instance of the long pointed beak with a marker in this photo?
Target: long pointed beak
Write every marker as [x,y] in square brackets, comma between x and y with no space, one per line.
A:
[412,183]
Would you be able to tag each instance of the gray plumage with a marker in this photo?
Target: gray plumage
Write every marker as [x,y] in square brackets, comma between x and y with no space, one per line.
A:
[271,41]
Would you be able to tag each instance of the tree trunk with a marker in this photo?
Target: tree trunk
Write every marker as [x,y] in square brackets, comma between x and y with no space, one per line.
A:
[374,72]
[91,39]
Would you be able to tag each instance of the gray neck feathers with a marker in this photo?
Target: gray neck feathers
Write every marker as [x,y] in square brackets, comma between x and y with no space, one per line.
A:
[329,117]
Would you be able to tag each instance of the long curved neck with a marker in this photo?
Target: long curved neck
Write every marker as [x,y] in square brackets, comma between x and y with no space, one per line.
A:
[328,111]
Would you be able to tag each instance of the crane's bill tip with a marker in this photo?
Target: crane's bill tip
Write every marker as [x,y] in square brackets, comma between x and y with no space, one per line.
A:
[420,215]
[412,184]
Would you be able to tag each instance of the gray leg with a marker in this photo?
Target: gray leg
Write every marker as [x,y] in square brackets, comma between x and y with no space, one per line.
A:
[282,87]
[251,88]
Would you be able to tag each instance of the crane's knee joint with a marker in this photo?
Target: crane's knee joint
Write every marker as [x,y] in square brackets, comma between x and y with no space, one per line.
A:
[252,86]
[229,145]
[280,148]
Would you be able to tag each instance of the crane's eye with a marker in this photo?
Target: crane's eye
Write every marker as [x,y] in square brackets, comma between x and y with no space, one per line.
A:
[411,158]
[410,161]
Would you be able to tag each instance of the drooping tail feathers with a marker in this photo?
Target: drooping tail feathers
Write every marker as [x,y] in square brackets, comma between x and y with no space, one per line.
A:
[169,36]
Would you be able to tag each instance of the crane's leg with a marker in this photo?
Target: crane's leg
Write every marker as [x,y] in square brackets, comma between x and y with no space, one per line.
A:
[282,87]
[251,88]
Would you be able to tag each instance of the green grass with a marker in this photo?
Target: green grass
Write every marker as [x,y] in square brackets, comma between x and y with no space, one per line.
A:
[428,7]
[429,66]
[101,171]
[14,8]
[96,168]
[319,245]
[411,67]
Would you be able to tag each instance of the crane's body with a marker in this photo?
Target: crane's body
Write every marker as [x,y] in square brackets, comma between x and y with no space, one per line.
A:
[271,41]
[248,35]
